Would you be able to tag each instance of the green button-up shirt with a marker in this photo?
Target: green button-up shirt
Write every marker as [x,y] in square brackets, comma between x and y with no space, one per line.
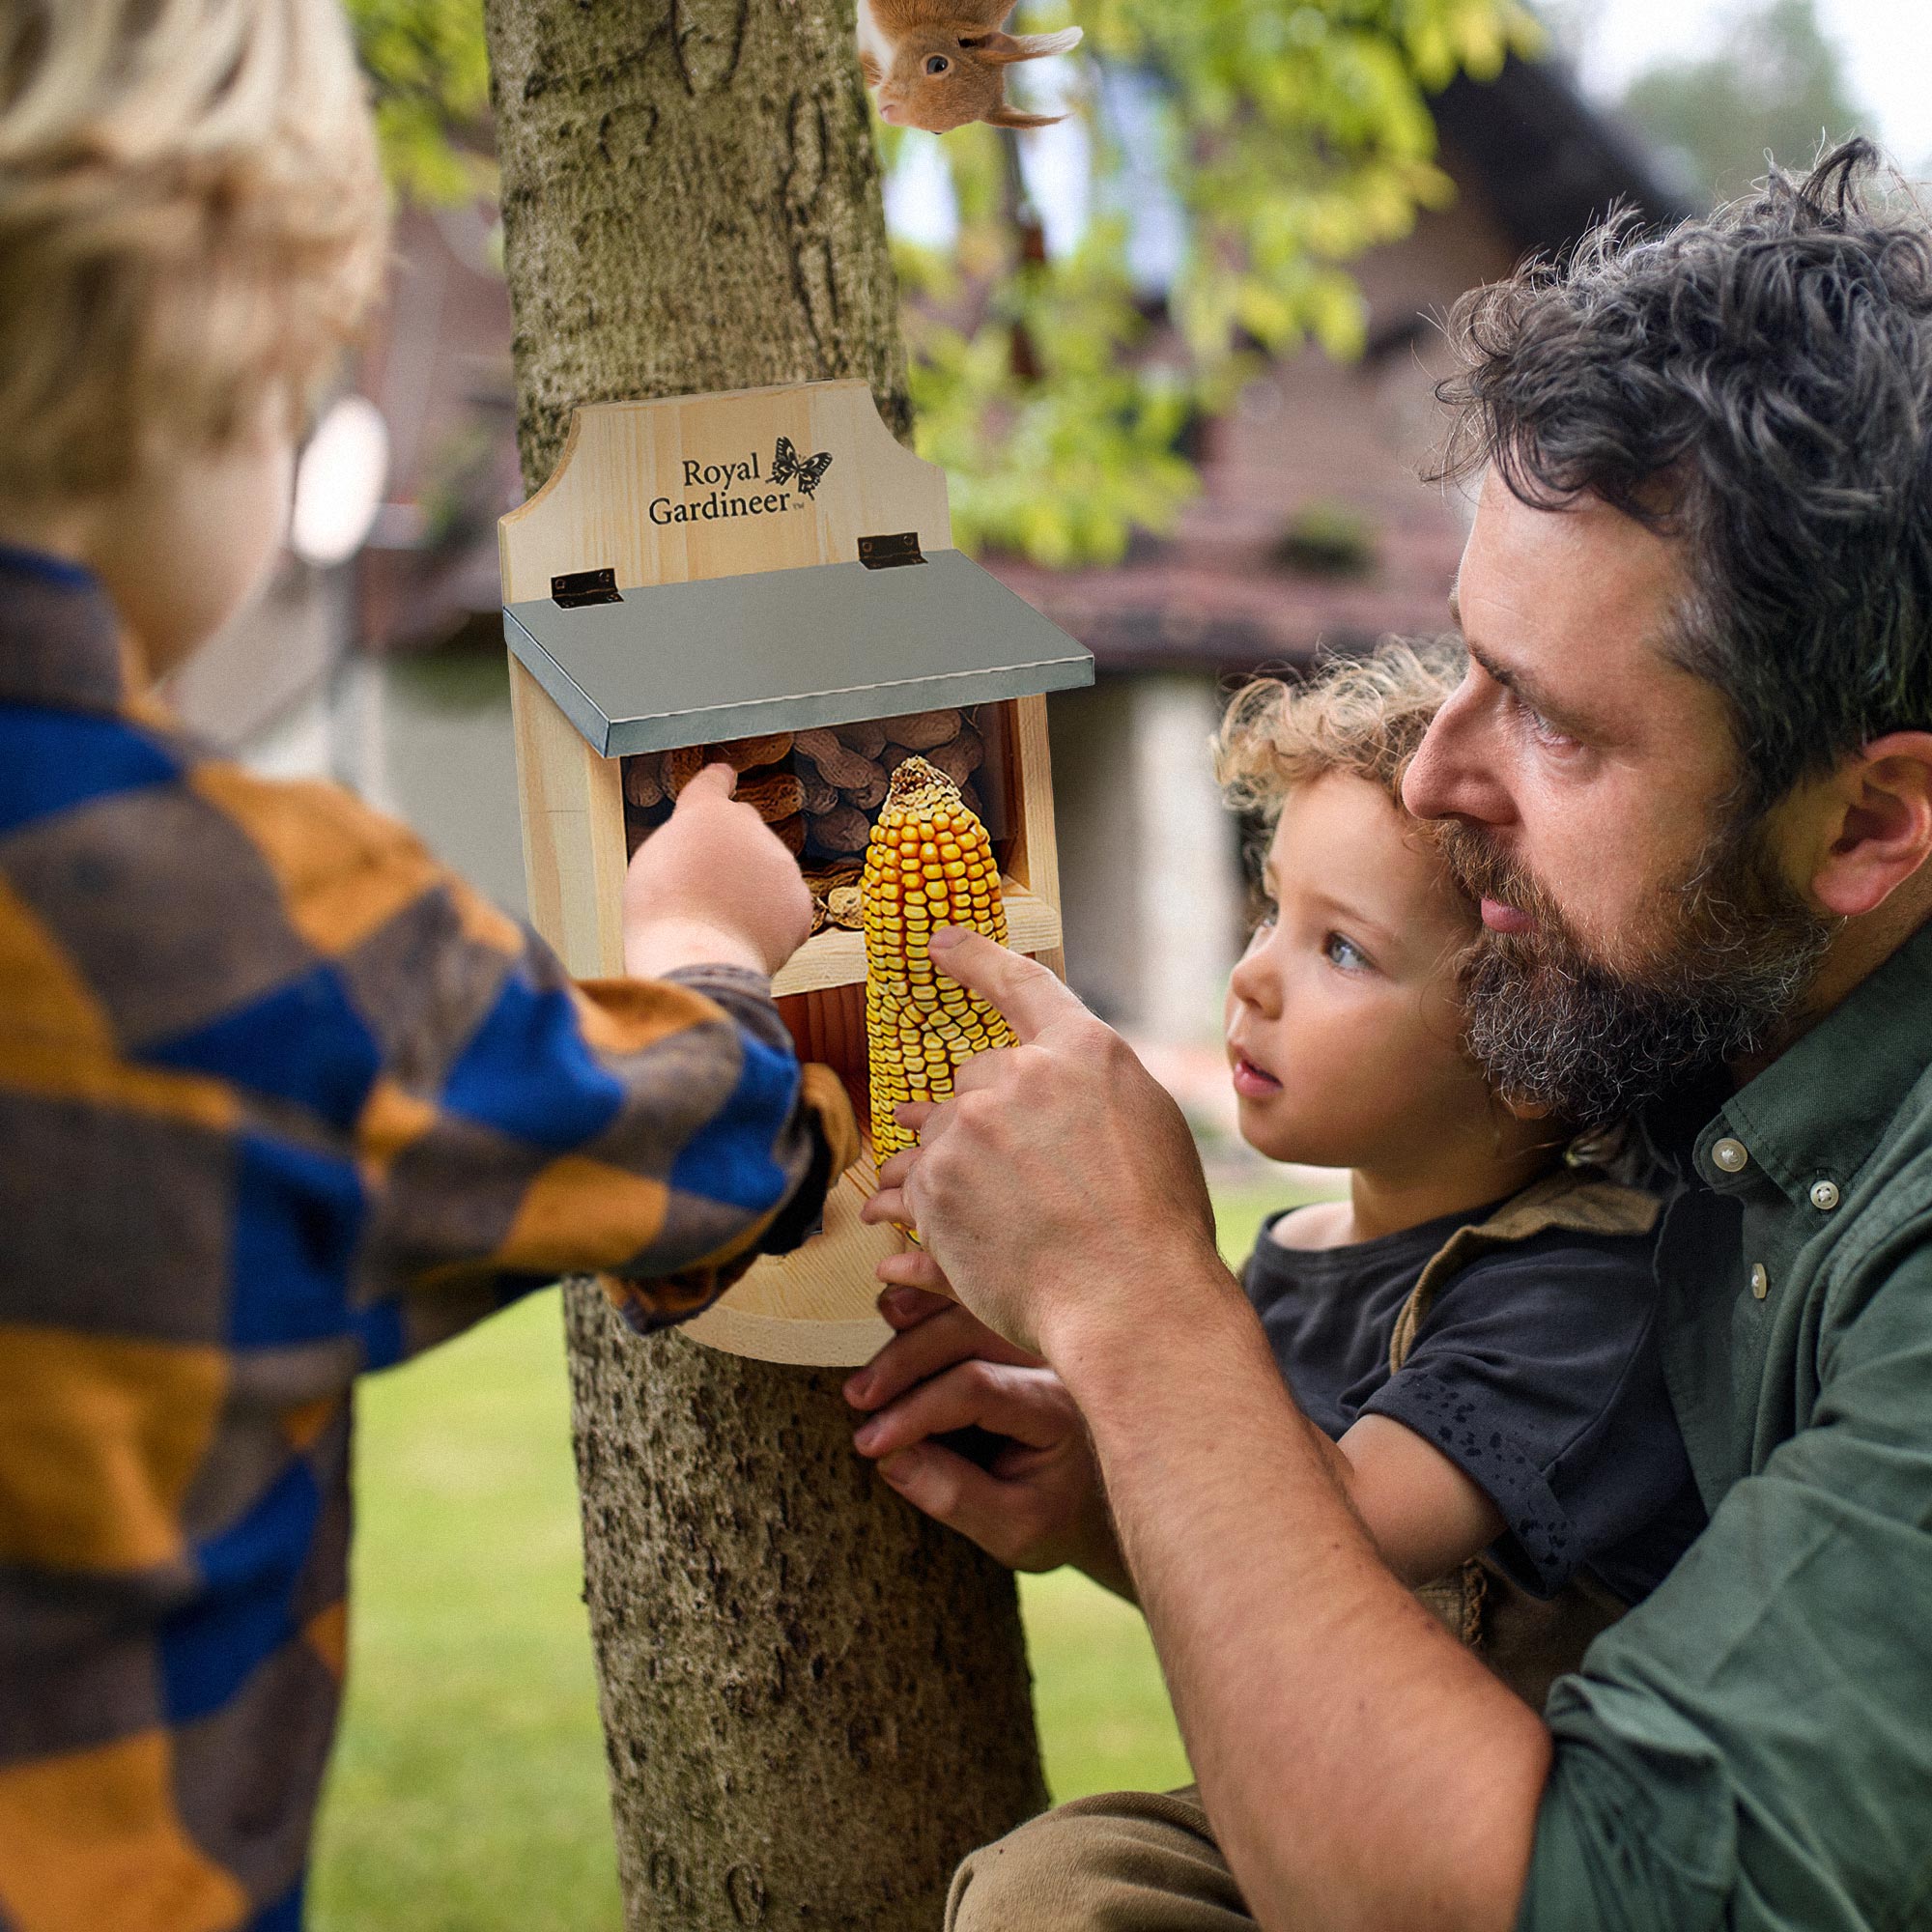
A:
[1751,1747]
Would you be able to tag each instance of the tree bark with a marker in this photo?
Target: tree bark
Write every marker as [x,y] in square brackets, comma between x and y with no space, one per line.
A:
[691,202]
[815,1701]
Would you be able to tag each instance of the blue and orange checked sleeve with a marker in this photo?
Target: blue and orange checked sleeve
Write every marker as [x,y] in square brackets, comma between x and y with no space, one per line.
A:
[506,1124]
[280,1100]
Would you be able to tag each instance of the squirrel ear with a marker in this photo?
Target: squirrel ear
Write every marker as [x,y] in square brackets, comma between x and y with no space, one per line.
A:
[1011,117]
[1001,50]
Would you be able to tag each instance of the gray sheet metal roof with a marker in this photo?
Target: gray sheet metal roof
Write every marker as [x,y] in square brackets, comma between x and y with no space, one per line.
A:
[785,650]
[1552,164]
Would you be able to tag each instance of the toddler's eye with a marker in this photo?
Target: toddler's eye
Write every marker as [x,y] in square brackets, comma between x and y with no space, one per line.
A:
[936,63]
[1340,950]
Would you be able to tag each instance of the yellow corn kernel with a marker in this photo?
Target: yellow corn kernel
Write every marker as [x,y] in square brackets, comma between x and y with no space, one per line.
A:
[930,863]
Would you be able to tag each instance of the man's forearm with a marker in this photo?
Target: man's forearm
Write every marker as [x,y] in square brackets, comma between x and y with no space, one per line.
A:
[1360,1767]
[1102,1559]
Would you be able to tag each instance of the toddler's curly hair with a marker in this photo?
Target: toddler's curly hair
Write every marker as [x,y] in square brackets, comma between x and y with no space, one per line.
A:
[1361,715]
[192,218]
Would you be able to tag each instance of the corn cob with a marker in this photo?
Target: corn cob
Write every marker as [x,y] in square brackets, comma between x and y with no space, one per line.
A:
[928,862]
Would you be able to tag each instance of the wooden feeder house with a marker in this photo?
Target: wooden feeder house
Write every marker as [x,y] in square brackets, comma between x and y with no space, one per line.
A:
[767,575]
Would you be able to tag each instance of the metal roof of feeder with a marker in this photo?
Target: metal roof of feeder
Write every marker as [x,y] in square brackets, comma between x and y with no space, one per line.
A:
[659,666]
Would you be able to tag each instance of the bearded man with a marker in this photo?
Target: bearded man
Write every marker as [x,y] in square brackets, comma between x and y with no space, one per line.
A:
[1688,777]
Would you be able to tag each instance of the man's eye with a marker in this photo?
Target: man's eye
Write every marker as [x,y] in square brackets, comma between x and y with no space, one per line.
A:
[1541,728]
[1340,950]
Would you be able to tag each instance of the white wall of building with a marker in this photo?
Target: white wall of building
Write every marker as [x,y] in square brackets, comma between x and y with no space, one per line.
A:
[1148,858]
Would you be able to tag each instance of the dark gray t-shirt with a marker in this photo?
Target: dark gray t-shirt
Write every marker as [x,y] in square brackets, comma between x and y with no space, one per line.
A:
[1535,1371]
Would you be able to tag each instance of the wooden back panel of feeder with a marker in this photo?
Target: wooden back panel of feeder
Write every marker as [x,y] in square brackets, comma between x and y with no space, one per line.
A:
[815,1306]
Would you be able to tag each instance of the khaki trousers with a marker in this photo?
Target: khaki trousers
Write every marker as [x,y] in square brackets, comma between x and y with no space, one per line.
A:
[1125,1861]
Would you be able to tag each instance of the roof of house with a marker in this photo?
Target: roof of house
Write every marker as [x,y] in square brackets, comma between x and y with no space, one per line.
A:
[1175,608]
[1550,163]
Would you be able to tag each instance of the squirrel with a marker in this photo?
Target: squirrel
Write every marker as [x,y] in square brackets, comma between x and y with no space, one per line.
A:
[939,64]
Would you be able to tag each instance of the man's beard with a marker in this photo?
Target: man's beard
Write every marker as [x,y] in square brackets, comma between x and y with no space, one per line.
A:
[1732,952]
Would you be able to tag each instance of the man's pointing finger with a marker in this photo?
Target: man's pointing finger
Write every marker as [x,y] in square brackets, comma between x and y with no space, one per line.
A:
[1029,996]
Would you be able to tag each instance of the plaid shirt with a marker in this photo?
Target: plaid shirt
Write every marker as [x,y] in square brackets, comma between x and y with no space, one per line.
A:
[280,1100]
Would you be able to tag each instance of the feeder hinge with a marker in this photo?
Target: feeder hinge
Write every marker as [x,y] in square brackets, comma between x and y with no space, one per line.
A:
[585,586]
[888,553]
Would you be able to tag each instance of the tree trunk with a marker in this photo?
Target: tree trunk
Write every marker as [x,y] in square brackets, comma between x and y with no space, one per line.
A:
[691,202]
[815,1701]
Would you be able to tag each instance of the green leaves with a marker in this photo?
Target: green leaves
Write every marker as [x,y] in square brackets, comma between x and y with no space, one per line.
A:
[1292,135]
[430,82]
[1776,83]
[1280,139]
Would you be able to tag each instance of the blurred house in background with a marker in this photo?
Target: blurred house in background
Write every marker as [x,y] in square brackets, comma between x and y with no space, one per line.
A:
[1311,530]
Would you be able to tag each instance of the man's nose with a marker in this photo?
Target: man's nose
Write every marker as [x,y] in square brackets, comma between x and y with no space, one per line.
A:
[1451,775]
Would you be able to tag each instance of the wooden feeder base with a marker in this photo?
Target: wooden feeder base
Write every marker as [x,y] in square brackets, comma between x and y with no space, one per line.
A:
[816,1307]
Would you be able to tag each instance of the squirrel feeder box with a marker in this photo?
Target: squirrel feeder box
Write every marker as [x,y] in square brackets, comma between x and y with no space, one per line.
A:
[766,576]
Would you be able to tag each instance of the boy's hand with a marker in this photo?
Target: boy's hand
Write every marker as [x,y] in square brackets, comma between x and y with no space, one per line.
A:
[1038,1502]
[712,885]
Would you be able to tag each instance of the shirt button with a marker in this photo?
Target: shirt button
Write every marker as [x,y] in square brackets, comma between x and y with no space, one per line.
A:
[1733,1157]
[1824,1194]
[1760,1281]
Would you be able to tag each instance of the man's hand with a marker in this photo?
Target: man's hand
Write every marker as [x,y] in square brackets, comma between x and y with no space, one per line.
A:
[1324,1710]
[1061,1183]
[1038,1502]
[713,884]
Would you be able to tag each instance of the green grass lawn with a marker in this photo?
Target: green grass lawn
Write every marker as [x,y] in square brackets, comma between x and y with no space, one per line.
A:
[468,1793]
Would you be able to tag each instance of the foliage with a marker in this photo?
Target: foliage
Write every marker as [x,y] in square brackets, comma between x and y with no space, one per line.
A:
[1288,136]
[1776,83]
[430,76]
[1060,464]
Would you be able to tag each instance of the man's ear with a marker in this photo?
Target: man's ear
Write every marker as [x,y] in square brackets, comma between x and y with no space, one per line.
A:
[1877,827]
[1525,1110]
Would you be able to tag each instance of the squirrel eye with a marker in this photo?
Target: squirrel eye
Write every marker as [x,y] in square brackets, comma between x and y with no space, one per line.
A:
[937,63]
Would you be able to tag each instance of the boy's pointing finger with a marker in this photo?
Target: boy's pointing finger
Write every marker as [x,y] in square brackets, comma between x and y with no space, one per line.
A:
[715,782]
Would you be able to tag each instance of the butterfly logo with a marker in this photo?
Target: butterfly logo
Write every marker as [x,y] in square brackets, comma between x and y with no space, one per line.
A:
[785,464]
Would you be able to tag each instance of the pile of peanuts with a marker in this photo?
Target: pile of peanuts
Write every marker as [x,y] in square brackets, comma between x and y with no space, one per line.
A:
[819,790]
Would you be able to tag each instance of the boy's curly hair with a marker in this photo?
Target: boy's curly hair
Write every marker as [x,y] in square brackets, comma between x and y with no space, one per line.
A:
[1361,715]
[191,218]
